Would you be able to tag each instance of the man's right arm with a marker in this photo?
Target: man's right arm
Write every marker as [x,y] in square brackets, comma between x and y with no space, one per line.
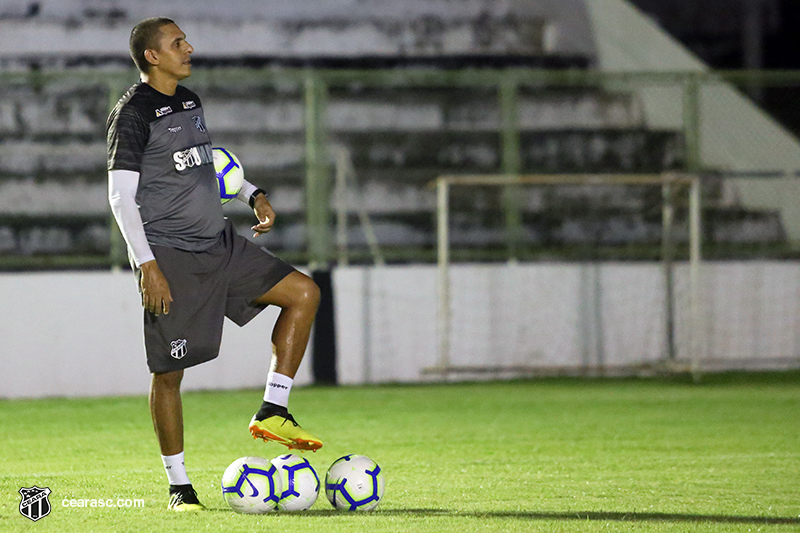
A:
[122,186]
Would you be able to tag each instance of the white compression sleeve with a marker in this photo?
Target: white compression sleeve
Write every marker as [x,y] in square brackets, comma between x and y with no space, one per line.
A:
[246,192]
[122,185]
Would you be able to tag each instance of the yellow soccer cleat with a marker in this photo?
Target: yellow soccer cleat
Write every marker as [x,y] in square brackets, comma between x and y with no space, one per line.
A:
[284,430]
[184,499]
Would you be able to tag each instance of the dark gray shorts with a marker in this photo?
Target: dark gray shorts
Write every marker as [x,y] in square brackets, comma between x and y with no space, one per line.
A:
[206,287]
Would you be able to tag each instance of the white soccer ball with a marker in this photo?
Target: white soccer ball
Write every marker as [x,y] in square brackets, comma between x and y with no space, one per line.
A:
[300,482]
[230,174]
[354,483]
[252,485]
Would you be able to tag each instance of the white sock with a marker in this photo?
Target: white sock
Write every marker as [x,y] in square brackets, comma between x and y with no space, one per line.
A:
[176,470]
[278,389]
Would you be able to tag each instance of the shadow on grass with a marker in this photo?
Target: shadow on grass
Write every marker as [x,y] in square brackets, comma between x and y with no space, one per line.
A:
[599,516]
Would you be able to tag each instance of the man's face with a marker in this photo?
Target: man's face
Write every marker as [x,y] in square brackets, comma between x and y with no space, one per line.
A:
[173,53]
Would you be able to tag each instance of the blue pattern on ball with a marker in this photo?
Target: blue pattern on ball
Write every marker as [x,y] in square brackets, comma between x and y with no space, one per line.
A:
[292,470]
[244,472]
[341,487]
[224,172]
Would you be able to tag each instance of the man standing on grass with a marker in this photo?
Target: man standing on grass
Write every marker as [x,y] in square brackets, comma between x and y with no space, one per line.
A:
[192,267]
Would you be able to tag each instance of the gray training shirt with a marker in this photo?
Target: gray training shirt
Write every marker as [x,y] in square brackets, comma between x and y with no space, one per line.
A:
[164,139]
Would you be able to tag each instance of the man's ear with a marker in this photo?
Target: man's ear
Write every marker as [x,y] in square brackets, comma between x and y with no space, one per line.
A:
[151,56]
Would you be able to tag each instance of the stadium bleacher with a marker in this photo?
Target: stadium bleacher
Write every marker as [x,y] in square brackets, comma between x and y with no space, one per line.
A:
[399,137]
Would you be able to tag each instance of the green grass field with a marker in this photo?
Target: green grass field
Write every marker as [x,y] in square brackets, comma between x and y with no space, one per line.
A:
[545,455]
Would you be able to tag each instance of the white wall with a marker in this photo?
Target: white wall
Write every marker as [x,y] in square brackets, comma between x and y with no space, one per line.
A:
[562,315]
[80,334]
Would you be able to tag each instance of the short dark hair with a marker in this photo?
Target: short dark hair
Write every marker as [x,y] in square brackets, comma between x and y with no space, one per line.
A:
[145,36]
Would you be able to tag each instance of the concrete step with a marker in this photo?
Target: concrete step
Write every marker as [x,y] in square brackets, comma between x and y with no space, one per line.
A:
[427,110]
[380,193]
[64,110]
[440,151]
[67,160]
[542,151]
[615,150]
[53,111]
[89,235]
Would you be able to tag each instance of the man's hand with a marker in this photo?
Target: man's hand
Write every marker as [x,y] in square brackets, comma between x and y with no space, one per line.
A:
[155,289]
[264,213]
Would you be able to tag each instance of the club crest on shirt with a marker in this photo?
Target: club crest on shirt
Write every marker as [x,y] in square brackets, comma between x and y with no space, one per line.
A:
[189,104]
[198,123]
[166,110]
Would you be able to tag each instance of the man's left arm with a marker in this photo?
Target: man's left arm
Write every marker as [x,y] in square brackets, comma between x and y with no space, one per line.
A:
[257,199]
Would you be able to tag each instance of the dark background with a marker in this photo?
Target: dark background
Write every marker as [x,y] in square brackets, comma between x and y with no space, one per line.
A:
[717,32]
[714,29]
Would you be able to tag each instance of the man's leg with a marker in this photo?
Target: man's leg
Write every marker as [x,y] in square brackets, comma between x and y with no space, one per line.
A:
[298,298]
[167,413]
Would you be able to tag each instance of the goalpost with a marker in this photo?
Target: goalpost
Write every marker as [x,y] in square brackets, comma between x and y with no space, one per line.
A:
[669,183]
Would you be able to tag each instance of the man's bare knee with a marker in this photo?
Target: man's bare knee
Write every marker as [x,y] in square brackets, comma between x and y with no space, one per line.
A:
[295,292]
[310,294]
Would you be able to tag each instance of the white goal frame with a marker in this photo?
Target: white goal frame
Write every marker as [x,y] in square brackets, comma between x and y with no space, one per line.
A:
[443,184]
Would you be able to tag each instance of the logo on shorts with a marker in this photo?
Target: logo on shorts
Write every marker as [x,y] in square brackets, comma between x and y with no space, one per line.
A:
[198,123]
[178,349]
[34,504]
